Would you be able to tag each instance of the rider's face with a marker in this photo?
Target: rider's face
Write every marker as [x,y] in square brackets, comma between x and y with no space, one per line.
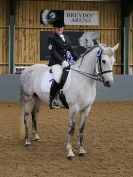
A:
[59,30]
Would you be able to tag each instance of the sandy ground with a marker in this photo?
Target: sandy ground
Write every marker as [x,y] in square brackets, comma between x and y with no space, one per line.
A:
[108,140]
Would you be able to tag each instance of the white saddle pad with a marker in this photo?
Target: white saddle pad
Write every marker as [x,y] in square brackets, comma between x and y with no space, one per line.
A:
[47,81]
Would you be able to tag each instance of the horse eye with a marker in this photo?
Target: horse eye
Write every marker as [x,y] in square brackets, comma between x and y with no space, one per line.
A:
[103,61]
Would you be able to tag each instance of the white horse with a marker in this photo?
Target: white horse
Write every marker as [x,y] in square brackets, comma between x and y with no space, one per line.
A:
[79,90]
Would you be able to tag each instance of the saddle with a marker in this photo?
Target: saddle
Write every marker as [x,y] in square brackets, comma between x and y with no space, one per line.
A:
[64,76]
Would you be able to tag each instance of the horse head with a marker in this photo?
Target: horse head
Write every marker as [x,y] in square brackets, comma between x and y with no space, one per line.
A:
[106,61]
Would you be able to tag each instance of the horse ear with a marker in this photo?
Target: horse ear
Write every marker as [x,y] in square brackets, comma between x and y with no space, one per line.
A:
[101,46]
[115,47]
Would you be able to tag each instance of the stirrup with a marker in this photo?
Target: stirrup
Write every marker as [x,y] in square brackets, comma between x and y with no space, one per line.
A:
[54,104]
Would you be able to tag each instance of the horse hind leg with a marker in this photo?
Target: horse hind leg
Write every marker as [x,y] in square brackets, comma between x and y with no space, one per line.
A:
[34,114]
[27,104]
[83,116]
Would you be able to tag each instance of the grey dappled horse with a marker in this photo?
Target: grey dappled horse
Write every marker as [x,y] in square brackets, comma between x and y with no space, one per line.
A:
[79,90]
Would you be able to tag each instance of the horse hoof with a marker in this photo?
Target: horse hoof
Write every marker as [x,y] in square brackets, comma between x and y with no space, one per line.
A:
[28,146]
[38,140]
[70,158]
[82,154]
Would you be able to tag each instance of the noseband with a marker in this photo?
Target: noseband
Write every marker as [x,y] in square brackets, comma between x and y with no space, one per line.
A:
[99,76]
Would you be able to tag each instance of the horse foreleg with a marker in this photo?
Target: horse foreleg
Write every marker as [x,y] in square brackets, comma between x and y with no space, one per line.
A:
[27,102]
[72,122]
[83,117]
[34,113]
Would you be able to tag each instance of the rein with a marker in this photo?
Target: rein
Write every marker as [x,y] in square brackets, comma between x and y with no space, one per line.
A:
[97,77]
[87,53]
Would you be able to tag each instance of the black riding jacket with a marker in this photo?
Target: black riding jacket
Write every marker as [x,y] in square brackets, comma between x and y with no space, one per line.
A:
[58,49]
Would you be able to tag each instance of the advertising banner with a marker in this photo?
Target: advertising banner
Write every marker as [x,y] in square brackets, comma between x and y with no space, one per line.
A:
[49,16]
[70,17]
[80,17]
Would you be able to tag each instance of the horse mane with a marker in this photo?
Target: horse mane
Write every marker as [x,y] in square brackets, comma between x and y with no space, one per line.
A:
[85,53]
[89,49]
[108,51]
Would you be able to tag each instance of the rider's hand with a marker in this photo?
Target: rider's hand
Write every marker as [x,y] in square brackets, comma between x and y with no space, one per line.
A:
[65,64]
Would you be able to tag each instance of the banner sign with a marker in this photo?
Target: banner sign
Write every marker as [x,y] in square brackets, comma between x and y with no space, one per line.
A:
[70,17]
[80,17]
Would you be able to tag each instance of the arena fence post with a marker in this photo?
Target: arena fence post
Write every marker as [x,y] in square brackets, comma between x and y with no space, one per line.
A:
[11,36]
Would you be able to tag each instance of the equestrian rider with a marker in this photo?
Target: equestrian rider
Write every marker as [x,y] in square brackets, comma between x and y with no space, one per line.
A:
[58,45]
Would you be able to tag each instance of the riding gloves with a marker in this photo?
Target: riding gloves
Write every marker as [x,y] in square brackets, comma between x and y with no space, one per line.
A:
[65,64]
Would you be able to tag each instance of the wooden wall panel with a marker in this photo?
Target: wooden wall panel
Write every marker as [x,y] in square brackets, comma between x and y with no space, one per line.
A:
[28,27]
[4,5]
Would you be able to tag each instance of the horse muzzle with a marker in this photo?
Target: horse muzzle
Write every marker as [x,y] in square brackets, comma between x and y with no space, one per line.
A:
[108,83]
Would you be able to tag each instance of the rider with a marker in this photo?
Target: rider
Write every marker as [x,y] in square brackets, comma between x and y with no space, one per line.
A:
[58,45]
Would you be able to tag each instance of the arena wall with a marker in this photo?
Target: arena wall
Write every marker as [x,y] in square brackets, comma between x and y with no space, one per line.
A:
[28,27]
[10,88]
[121,90]
[4,14]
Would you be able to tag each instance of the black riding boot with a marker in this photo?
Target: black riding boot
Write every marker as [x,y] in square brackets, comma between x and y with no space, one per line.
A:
[53,90]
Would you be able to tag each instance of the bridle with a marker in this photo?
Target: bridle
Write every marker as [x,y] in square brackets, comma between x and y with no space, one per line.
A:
[99,76]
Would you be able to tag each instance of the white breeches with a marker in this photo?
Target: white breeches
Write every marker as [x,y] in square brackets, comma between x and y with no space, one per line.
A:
[57,72]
